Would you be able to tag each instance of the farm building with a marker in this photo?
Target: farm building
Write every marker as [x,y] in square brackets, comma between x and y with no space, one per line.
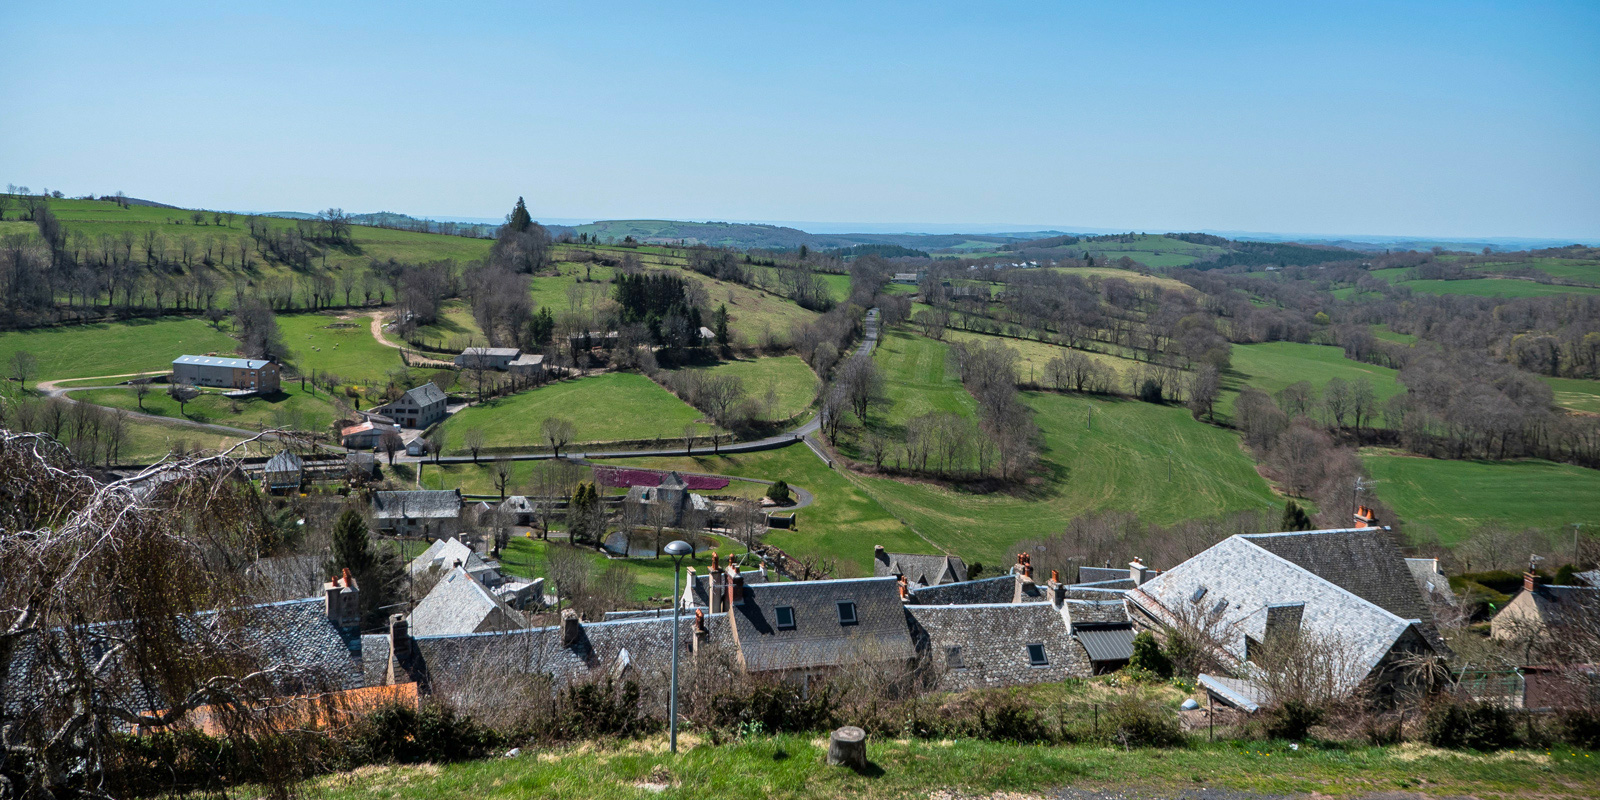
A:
[487,357]
[420,512]
[366,436]
[283,472]
[251,374]
[417,408]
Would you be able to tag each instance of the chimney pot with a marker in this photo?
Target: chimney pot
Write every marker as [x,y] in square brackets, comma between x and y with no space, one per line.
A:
[571,630]
[1055,576]
[346,576]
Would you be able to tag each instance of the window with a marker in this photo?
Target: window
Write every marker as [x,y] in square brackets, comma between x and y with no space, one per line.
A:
[952,658]
[1198,593]
[1036,656]
[785,616]
[847,612]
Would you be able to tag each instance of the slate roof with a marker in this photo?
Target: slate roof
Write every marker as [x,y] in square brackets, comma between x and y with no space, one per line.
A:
[1432,582]
[921,570]
[284,462]
[1364,561]
[1588,578]
[417,504]
[443,554]
[697,594]
[1567,605]
[517,504]
[1094,574]
[1241,579]
[492,352]
[993,643]
[426,394]
[1095,612]
[222,361]
[447,660]
[818,639]
[459,604]
[1001,589]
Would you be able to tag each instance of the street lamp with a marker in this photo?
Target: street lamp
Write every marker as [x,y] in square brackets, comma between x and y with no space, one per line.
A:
[677,549]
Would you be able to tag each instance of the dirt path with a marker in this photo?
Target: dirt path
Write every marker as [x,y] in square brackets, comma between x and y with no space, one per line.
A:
[416,359]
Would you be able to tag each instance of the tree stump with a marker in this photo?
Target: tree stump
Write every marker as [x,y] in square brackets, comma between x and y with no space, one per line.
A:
[848,746]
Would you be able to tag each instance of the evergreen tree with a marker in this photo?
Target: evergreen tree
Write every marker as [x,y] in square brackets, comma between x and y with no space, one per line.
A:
[1295,518]
[721,324]
[1147,655]
[585,520]
[520,220]
[378,574]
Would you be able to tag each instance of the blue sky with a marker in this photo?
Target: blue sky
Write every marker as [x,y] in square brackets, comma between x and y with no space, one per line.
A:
[1438,119]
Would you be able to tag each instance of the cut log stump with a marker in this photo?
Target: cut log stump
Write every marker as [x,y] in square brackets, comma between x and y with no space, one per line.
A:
[848,747]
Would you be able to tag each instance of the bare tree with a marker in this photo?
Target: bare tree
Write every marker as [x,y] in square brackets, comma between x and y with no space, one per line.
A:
[473,438]
[23,365]
[746,521]
[503,471]
[141,388]
[390,443]
[558,432]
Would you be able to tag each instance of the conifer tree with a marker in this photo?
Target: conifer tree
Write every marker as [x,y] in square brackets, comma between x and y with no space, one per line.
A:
[520,220]
[1295,518]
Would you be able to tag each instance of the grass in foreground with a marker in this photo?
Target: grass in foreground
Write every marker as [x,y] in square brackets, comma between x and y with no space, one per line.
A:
[1452,498]
[791,766]
[612,407]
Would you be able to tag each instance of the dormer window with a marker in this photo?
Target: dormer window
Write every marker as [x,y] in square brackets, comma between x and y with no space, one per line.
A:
[785,615]
[847,612]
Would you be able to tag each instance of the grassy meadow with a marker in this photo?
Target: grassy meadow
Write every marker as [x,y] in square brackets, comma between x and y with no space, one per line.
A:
[292,407]
[1274,365]
[526,557]
[1453,498]
[85,351]
[786,381]
[611,407]
[337,343]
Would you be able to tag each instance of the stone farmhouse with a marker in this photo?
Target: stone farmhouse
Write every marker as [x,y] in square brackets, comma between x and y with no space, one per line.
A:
[504,359]
[240,374]
[417,408]
[430,513]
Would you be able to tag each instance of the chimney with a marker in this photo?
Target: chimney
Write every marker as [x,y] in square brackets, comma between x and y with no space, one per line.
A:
[689,585]
[701,633]
[1530,581]
[571,631]
[1024,572]
[735,587]
[905,590]
[1365,518]
[880,555]
[1057,592]
[399,650]
[717,597]
[1138,572]
[341,601]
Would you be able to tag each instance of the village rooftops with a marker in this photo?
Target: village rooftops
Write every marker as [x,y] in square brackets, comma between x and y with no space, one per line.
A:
[797,625]
[223,361]
[417,504]
[460,603]
[919,569]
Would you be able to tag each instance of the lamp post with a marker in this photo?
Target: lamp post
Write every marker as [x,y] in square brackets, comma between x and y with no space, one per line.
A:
[677,549]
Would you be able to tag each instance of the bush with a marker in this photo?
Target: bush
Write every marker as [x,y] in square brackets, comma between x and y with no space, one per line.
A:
[776,705]
[1008,718]
[1580,728]
[1292,719]
[1147,655]
[1136,721]
[434,733]
[779,492]
[1475,726]
[600,709]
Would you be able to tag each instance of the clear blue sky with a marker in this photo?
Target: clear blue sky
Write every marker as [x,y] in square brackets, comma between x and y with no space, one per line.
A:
[1439,119]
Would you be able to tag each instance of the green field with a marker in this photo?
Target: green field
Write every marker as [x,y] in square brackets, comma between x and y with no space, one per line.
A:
[1383,332]
[1121,463]
[612,407]
[291,407]
[1586,271]
[455,329]
[1032,355]
[785,380]
[85,351]
[525,557]
[1494,287]
[1452,498]
[1274,365]
[844,522]
[337,343]
[1575,393]
[917,378]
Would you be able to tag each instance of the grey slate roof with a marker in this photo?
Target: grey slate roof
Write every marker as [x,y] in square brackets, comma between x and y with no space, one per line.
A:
[1567,605]
[1095,612]
[417,504]
[1364,561]
[1109,643]
[993,643]
[1242,579]
[698,592]
[1094,574]
[1432,582]
[443,555]
[459,604]
[818,639]
[921,570]
[426,394]
[1122,583]
[283,462]
[1001,589]
[1588,577]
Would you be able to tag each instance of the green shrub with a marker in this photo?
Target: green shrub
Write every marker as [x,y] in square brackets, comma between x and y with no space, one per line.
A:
[1009,718]
[433,733]
[1137,721]
[1147,655]
[1292,719]
[1580,728]
[1475,726]
[778,706]
[779,492]
[601,709]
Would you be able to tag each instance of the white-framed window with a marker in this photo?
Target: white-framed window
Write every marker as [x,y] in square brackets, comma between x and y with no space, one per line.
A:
[785,615]
[1036,656]
[847,612]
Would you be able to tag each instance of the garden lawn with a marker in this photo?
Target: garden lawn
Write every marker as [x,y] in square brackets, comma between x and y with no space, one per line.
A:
[843,523]
[615,406]
[1274,365]
[791,766]
[1151,459]
[1453,498]
[291,408]
[84,351]
[789,382]
[341,344]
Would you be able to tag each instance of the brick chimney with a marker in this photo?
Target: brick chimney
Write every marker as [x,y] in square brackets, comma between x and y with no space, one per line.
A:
[1366,518]
[880,555]
[1530,581]
[702,634]
[1056,590]
[1138,572]
[399,650]
[341,600]
[905,589]
[1024,573]
[717,595]
[571,631]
